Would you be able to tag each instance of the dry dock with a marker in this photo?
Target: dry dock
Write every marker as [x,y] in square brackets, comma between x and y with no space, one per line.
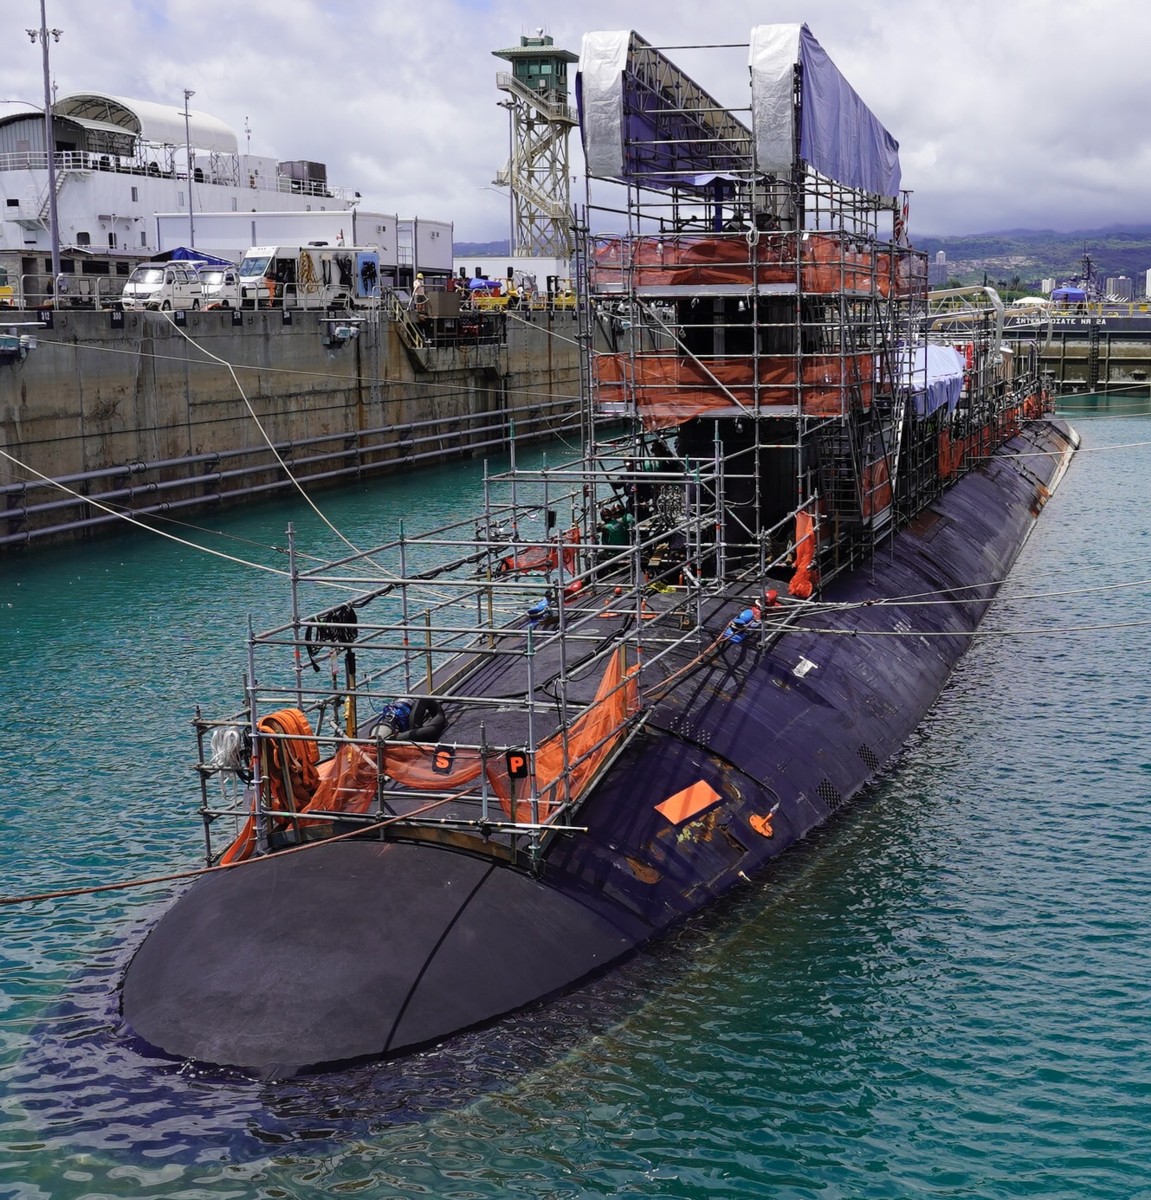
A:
[151,413]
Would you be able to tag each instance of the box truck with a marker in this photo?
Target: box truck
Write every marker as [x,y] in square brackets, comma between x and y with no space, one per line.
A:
[317,275]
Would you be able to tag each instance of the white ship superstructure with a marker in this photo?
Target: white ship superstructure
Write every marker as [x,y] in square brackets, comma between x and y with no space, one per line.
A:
[118,163]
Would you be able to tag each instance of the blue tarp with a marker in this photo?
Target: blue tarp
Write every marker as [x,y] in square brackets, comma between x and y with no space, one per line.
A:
[1069,295]
[838,134]
[184,254]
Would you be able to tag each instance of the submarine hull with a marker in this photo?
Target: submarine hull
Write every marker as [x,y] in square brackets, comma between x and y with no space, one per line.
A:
[352,950]
[358,949]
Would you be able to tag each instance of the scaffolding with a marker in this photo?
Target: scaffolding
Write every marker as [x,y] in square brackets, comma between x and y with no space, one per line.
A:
[770,395]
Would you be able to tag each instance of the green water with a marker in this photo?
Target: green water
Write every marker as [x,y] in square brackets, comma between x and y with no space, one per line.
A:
[944,994]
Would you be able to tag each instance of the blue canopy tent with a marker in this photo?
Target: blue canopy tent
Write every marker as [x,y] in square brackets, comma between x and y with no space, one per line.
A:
[1069,295]
[184,254]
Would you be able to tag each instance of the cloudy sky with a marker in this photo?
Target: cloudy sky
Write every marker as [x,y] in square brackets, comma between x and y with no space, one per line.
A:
[1009,113]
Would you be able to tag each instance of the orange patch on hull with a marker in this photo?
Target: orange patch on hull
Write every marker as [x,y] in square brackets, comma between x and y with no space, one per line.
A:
[687,803]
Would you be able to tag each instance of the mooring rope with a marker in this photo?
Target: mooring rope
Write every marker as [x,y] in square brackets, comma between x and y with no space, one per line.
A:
[176,876]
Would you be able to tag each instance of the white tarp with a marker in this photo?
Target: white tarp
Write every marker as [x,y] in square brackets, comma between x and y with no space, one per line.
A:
[772,55]
[933,374]
[839,136]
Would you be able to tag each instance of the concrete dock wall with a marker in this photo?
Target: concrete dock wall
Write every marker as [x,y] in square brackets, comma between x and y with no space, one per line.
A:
[139,413]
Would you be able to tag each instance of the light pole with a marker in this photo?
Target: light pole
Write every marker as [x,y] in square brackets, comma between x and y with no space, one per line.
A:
[188,94]
[510,104]
[42,35]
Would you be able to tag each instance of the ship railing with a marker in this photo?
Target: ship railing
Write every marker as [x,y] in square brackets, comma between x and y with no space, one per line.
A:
[545,103]
[954,309]
[547,798]
[393,784]
[436,614]
[157,161]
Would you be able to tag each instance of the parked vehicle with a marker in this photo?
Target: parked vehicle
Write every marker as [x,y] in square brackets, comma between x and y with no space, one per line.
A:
[164,286]
[219,286]
[314,276]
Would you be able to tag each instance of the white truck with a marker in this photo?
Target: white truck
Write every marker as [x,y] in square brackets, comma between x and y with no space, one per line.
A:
[318,275]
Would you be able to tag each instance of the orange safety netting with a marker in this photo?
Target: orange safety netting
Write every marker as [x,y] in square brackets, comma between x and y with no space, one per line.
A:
[802,582]
[441,768]
[348,782]
[669,389]
[590,740]
[544,557]
[816,262]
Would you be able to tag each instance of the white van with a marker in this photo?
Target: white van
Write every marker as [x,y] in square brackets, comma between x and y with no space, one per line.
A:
[219,287]
[317,275]
[161,285]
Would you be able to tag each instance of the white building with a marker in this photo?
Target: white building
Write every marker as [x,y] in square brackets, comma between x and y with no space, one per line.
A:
[937,271]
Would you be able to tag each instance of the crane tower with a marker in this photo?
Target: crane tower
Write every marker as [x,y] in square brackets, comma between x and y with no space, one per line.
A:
[540,122]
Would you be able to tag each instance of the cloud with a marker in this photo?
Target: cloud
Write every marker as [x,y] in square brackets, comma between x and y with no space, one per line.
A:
[1028,113]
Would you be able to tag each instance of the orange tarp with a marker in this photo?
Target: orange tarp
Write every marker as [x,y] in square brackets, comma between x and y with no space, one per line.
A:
[589,740]
[686,803]
[669,389]
[802,582]
[543,557]
[823,262]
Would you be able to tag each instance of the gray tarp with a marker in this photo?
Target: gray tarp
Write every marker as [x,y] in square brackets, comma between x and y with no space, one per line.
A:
[628,135]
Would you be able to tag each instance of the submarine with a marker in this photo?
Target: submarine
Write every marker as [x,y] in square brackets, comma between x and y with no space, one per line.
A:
[531,741]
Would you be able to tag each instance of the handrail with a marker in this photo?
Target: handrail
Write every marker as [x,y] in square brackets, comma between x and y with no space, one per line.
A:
[553,110]
[225,173]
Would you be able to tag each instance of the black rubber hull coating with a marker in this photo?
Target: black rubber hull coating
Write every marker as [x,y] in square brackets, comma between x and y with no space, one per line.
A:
[353,950]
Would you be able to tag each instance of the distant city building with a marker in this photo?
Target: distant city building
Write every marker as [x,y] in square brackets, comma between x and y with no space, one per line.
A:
[1120,287]
[937,271]
[1147,287]
[1048,285]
